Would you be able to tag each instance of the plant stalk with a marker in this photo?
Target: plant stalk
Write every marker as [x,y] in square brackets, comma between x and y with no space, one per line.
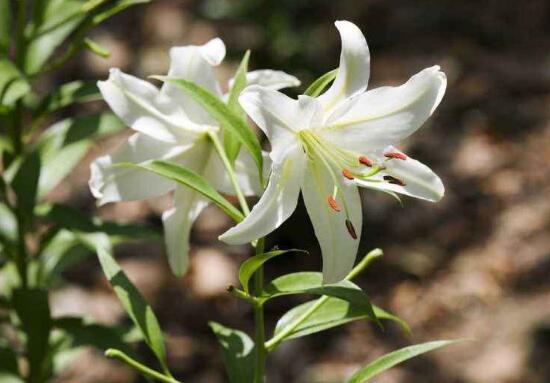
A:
[259,321]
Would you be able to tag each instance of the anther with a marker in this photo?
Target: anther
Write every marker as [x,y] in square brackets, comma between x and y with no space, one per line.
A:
[395,181]
[399,156]
[346,173]
[351,229]
[365,161]
[332,203]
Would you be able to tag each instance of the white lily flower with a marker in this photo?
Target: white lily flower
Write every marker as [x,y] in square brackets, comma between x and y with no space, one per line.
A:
[329,145]
[171,126]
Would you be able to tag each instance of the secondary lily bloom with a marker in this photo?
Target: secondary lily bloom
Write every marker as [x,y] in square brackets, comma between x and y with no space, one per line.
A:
[329,145]
[171,126]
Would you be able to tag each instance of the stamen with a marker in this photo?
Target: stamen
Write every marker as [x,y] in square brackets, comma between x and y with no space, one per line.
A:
[351,229]
[395,181]
[365,161]
[332,203]
[346,173]
[399,156]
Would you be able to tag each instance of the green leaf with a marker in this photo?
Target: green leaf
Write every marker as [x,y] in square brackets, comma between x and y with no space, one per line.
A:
[68,94]
[394,358]
[312,283]
[25,183]
[231,143]
[133,302]
[8,223]
[5,27]
[317,87]
[230,120]
[332,313]
[84,333]
[192,180]
[249,267]
[64,145]
[59,166]
[10,378]
[32,308]
[54,21]
[238,353]
[13,85]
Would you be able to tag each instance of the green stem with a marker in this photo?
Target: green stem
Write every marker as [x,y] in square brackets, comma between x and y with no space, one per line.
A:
[20,43]
[259,320]
[232,176]
[271,344]
[146,371]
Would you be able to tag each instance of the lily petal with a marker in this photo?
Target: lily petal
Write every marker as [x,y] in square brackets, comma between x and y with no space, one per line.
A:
[338,247]
[277,203]
[177,227]
[194,63]
[279,116]
[271,79]
[110,184]
[354,70]
[419,180]
[245,170]
[138,104]
[385,116]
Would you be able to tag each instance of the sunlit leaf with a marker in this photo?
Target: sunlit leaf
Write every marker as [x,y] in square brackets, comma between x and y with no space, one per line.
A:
[312,283]
[332,313]
[249,267]
[13,85]
[231,143]
[192,180]
[230,120]
[394,358]
[131,299]
[317,87]
[238,353]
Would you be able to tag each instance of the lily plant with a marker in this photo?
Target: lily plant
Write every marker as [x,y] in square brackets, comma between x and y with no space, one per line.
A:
[171,126]
[328,146]
[196,141]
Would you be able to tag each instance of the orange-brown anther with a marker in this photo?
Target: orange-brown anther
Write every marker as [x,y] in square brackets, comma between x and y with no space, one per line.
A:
[399,156]
[395,181]
[365,161]
[332,203]
[346,173]
[351,229]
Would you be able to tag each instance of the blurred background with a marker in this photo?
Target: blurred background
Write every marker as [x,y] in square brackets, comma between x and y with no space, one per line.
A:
[475,265]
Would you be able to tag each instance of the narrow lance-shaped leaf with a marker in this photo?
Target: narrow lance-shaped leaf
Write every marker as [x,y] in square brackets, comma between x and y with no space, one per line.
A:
[13,85]
[249,267]
[231,143]
[224,115]
[394,358]
[67,94]
[238,353]
[317,87]
[133,302]
[190,179]
[312,283]
[332,313]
